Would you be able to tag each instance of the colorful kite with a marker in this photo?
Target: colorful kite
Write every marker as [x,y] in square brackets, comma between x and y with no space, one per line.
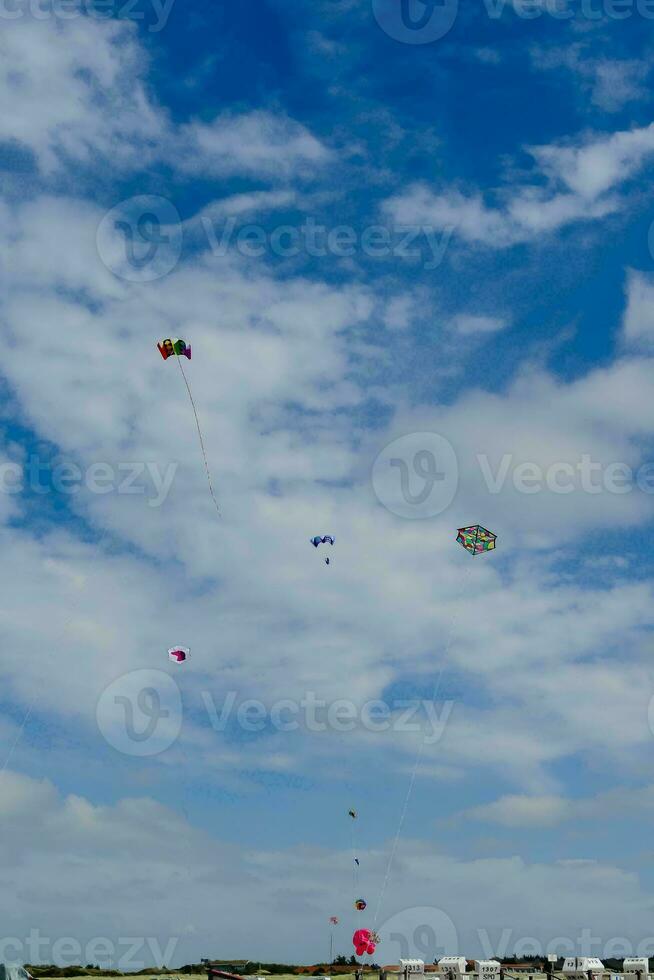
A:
[365,942]
[176,346]
[179,655]
[334,920]
[360,904]
[476,539]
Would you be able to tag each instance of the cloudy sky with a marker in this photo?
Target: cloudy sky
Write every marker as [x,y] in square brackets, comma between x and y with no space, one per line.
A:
[410,246]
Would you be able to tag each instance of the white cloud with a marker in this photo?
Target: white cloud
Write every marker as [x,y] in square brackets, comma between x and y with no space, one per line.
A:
[258,143]
[527,214]
[617,83]
[257,202]
[467,323]
[597,165]
[81,870]
[523,811]
[579,184]
[74,90]
[638,320]
[609,84]
[549,811]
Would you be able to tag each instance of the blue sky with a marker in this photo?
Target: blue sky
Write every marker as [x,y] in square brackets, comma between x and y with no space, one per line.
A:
[381,250]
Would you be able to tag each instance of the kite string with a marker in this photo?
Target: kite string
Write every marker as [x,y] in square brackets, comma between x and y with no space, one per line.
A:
[19,735]
[355,875]
[418,759]
[197,423]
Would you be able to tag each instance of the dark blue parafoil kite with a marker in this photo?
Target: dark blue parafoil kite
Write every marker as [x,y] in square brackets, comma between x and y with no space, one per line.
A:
[325,539]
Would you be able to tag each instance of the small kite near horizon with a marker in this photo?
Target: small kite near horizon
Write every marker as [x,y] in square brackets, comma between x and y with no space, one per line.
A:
[365,942]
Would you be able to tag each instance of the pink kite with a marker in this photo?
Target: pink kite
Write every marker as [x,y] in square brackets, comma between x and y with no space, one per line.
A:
[365,941]
[179,655]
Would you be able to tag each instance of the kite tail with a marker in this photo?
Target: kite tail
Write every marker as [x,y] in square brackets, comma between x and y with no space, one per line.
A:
[204,453]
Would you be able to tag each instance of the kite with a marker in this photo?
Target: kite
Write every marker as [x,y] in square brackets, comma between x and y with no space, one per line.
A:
[360,904]
[353,814]
[476,539]
[356,861]
[327,539]
[179,654]
[334,920]
[365,941]
[179,347]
